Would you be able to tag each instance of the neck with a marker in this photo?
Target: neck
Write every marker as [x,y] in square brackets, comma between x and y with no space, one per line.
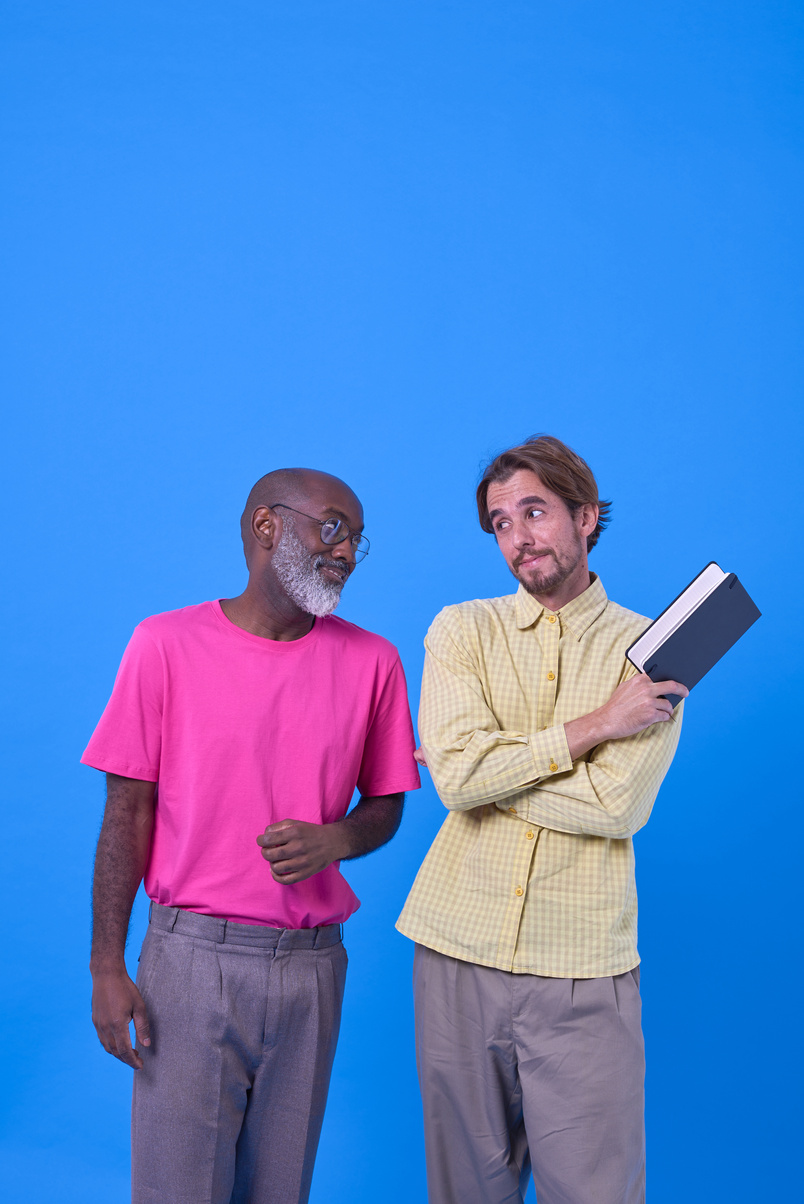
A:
[566,591]
[264,609]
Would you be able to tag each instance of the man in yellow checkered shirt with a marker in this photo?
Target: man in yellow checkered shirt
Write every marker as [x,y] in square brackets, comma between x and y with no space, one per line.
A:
[548,749]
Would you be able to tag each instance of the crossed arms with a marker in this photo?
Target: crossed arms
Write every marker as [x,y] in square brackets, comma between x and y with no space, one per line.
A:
[547,774]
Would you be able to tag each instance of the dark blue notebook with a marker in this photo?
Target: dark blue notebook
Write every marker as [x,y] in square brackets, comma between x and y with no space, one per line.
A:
[695,630]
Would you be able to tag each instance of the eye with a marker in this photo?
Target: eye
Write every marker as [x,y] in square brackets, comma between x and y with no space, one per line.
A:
[331,530]
[500,525]
[534,513]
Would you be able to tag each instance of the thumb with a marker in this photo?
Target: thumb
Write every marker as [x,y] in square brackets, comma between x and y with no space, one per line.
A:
[141,1025]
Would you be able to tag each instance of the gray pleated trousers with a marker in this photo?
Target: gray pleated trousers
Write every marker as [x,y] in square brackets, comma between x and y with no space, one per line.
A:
[228,1106]
[521,1072]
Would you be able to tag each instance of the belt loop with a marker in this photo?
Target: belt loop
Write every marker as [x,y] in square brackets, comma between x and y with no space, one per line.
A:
[150,909]
[340,932]
[175,911]
[223,935]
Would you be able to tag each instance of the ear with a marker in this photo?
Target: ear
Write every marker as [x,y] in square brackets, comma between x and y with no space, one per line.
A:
[266,527]
[587,517]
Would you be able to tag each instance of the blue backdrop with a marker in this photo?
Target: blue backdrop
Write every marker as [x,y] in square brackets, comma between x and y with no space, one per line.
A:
[386,241]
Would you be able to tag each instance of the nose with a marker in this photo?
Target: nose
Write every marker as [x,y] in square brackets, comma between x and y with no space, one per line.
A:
[344,551]
[521,536]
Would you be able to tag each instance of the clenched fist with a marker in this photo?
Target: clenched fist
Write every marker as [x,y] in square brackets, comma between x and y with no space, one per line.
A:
[296,850]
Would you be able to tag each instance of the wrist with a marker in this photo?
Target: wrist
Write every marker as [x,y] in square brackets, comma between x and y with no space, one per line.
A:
[108,966]
[585,733]
[341,844]
[598,727]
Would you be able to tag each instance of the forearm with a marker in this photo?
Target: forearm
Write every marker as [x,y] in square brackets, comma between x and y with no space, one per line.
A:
[609,795]
[370,824]
[120,862]
[296,849]
[585,733]
[484,767]
[473,762]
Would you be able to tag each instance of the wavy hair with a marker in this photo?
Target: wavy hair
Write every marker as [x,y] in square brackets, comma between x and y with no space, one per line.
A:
[560,468]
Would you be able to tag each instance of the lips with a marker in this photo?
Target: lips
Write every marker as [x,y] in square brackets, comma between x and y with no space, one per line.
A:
[337,574]
[531,558]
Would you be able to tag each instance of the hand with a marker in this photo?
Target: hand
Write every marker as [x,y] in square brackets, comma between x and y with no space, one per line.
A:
[296,850]
[420,757]
[115,1003]
[635,705]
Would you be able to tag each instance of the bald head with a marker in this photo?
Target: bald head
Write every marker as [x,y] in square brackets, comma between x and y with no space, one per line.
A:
[306,489]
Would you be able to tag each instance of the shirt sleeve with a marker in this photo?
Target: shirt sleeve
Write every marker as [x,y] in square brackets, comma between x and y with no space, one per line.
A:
[128,738]
[613,791]
[473,762]
[388,766]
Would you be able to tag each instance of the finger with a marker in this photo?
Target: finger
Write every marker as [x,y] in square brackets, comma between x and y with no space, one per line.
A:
[420,757]
[284,852]
[123,1048]
[301,860]
[290,878]
[141,1025]
[271,839]
[672,687]
[289,865]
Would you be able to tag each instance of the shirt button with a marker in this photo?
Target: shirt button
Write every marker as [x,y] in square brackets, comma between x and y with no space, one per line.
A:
[551,618]
[512,810]
[551,676]
[519,891]
[529,835]
[553,767]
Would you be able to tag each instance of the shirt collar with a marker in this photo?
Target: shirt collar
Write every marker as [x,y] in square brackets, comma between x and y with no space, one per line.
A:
[578,615]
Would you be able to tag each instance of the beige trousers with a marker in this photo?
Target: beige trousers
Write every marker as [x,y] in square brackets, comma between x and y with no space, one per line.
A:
[519,1073]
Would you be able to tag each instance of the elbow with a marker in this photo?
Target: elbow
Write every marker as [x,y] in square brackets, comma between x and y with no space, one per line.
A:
[624,825]
[456,799]
[457,795]
[619,815]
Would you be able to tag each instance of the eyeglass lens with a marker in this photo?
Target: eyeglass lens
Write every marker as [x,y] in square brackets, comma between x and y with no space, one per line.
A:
[334,530]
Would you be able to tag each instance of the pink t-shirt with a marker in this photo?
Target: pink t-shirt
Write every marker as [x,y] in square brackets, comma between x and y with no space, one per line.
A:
[240,732]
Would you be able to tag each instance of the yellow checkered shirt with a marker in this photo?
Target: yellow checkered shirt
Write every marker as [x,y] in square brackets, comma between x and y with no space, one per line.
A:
[533,868]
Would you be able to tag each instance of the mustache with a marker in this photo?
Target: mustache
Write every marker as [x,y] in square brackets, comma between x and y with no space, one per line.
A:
[337,566]
[533,552]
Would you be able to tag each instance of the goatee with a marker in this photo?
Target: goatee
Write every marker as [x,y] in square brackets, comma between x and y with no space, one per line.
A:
[300,577]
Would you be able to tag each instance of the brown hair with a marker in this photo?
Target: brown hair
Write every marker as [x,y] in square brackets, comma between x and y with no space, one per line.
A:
[560,468]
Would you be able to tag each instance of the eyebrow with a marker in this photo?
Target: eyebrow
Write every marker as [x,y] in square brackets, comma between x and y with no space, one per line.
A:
[523,501]
[345,518]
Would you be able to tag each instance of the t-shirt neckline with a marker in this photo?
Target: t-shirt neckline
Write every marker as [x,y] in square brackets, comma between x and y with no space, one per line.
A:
[282,647]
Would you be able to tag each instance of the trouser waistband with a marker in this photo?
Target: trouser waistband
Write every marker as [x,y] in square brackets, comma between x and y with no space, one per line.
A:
[213,928]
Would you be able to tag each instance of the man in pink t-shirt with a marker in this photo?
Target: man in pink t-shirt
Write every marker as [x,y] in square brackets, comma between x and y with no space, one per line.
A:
[235,736]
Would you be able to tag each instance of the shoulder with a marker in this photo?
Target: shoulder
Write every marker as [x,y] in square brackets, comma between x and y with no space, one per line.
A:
[477,617]
[625,622]
[172,624]
[340,633]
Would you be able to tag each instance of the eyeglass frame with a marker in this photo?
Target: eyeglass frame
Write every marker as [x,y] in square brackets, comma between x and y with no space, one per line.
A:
[360,553]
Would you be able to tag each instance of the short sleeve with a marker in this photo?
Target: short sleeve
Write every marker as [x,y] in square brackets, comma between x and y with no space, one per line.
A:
[388,766]
[128,738]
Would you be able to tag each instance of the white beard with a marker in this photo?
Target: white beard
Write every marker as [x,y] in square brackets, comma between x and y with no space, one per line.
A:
[303,584]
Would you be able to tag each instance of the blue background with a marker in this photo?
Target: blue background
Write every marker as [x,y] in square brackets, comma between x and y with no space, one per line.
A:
[387,240]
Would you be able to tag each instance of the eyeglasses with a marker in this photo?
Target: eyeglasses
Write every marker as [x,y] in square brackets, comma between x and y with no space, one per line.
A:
[334,530]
